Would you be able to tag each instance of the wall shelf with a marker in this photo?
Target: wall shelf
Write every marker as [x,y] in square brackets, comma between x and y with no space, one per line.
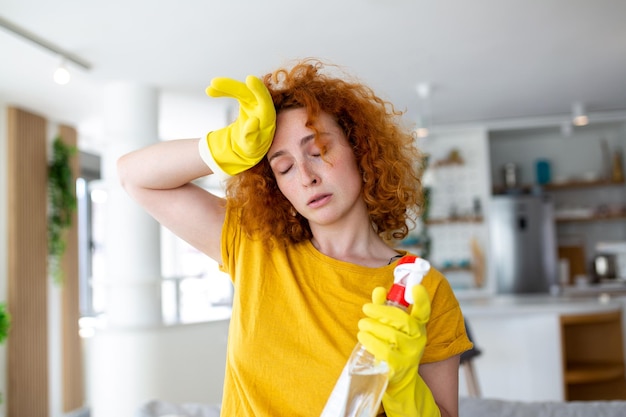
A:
[459,219]
[447,163]
[585,373]
[569,185]
[595,218]
[581,184]
[572,185]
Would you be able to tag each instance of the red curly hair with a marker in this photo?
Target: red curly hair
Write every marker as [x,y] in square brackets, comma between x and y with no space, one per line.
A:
[385,153]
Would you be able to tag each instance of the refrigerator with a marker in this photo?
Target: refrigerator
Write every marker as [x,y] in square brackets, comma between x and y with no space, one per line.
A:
[523,243]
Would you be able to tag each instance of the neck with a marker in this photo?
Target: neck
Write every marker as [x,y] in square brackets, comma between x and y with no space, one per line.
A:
[361,247]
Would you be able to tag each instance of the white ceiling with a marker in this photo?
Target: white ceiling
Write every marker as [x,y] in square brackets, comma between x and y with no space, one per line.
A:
[486,61]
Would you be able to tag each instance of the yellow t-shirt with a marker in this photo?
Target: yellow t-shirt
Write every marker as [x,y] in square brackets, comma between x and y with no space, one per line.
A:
[294,323]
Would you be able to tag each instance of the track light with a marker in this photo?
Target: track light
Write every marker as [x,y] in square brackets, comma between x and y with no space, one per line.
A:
[579,117]
[61,75]
[421,132]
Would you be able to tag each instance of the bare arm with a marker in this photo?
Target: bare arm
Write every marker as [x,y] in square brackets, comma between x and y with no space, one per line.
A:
[159,178]
[443,380]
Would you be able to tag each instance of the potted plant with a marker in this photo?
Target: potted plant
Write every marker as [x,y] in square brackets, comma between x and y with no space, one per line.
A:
[5,324]
[62,204]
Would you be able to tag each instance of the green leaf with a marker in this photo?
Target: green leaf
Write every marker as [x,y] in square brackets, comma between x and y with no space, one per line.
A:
[62,204]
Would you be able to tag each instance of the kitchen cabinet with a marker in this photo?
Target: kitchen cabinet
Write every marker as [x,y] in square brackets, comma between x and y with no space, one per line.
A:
[593,356]
[548,348]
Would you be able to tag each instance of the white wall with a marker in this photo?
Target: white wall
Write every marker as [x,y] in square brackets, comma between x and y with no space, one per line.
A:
[521,357]
[458,186]
[179,364]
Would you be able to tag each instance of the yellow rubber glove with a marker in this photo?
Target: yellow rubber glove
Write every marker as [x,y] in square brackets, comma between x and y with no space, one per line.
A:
[399,338]
[242,144]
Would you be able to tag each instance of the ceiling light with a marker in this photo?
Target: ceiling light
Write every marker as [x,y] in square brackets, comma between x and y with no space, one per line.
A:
[579,117]
[421,132]
[61,71]
[62,75]
[424,113]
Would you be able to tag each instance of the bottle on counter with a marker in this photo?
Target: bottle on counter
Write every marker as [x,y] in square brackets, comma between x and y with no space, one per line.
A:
[363,381]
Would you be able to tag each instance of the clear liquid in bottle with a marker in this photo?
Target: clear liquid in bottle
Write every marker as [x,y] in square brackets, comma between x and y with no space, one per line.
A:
[367,384]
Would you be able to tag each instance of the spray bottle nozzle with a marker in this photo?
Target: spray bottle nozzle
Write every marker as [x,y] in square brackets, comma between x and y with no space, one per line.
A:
[411,270]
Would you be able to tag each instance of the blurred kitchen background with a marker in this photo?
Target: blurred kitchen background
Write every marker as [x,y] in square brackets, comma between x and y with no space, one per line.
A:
[520,108]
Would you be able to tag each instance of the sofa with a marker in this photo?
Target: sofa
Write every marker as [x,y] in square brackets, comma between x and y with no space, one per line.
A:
[468,407]
[157,408]
[484,407]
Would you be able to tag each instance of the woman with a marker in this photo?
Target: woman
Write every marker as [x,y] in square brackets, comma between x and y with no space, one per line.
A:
[323,179]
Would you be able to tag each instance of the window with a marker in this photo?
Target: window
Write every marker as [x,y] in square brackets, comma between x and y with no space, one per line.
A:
[193,288]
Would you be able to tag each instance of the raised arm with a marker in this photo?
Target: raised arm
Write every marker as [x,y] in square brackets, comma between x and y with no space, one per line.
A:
[159,178]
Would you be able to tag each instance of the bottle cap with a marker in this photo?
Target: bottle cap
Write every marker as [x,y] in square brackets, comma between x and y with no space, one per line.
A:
[410,270]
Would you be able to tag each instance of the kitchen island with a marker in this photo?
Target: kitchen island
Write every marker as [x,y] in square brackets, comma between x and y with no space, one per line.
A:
[548,348]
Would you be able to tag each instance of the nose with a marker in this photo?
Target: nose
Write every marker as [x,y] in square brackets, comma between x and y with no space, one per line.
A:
[308,176]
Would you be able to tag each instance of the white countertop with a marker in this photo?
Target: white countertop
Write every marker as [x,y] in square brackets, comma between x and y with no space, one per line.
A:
[616,287]
[515,304]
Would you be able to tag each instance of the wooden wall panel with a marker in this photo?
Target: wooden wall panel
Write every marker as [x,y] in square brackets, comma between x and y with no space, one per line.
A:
[72,367]
[27,346]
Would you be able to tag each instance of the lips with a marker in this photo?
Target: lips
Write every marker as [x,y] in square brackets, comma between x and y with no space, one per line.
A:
[319,200]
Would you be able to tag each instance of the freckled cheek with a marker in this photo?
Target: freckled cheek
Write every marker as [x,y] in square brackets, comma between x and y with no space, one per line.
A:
[287,188]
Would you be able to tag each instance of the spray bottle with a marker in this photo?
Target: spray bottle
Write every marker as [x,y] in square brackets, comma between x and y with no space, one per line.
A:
[363,381]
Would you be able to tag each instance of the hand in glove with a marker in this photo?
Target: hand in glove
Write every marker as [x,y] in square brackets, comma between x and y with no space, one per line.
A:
[399,338]
[242,144]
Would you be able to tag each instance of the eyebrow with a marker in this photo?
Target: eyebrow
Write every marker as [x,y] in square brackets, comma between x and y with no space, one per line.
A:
[303,142]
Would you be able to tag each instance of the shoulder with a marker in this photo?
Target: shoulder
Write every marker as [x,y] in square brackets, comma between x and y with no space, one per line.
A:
[442,297]
[435,282]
